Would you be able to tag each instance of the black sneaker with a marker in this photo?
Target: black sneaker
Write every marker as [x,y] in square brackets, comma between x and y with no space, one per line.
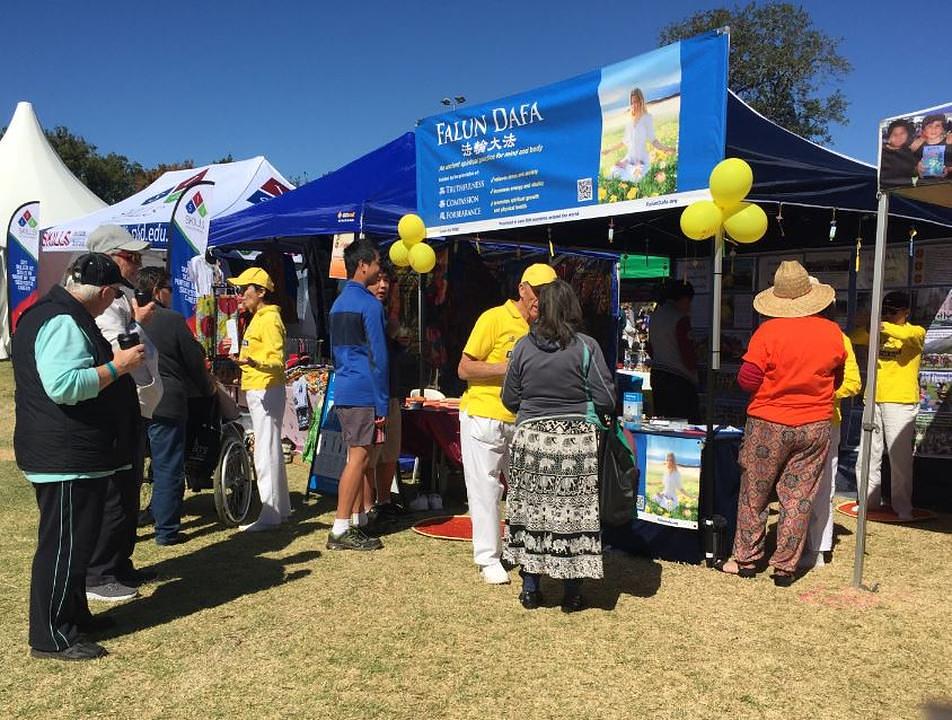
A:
[80,651]
[136,577]
[176,539]
[111,592]
[352,539]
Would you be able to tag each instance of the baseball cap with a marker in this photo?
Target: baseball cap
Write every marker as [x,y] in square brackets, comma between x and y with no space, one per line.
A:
[253,276]
[109,238]
[97,269]
[539,274]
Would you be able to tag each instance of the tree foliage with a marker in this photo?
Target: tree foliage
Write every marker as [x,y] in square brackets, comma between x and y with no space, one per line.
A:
[780,63]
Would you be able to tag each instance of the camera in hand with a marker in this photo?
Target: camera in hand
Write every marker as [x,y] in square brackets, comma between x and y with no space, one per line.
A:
[142,298]
[128,340]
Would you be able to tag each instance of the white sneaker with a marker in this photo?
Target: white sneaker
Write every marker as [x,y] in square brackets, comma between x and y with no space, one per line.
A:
[495,574]
[435,501]
[811,559]
[258,526]
[419,503]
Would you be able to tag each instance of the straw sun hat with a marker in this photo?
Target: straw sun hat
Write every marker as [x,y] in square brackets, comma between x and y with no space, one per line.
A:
[792,294]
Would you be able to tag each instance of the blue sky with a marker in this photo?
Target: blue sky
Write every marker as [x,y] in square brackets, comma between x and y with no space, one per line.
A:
[312,85]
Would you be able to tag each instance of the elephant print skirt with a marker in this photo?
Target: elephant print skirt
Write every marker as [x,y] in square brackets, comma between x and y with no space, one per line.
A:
[552,522]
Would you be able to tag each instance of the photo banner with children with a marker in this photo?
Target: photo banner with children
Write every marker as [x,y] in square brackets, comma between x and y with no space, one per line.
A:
[915,151]
[23,249]
[639,135]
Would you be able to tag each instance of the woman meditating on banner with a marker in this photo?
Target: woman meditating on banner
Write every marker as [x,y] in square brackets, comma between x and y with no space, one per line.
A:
[552,519]
[639,131]
[787,435]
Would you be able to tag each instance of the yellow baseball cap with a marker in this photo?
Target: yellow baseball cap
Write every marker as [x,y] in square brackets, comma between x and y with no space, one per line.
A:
[253,276]
[539,274]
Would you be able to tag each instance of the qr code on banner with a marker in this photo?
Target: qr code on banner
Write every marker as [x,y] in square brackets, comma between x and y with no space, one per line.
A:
[584,189]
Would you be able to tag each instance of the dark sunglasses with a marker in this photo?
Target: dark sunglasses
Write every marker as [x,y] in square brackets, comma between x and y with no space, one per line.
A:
[133,257]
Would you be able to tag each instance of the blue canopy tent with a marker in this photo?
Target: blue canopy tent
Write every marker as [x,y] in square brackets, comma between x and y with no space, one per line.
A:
[367,195]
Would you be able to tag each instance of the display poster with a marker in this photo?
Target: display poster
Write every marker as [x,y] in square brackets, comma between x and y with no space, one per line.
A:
[669,479]
[932,265]
[895,270]
[739,274]
[696,271]
[701,312]
[832,267]
[331,454]
[934,420]
[639,135]
[188,237]
[23,248]
[337,270]
[915,149]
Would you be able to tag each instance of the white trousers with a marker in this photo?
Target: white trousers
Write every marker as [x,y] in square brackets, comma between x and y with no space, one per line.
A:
[820,534]
[484,445]
[267,412]
[896,431]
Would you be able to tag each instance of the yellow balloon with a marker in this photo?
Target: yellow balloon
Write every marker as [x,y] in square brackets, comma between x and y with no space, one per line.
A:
[411,229]
[399,254]
[746,223]
[422,258]
[700,219]
[730,182]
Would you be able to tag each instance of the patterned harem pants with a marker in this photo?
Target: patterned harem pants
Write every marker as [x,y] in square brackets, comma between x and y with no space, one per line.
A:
[791,459]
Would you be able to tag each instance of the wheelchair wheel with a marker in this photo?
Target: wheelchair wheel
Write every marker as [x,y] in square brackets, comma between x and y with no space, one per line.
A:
[234,482]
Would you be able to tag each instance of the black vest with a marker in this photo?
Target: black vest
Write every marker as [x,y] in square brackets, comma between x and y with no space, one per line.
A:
[91,436]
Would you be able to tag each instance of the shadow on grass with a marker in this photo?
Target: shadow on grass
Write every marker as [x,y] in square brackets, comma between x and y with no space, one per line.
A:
[624,575]
[216,574]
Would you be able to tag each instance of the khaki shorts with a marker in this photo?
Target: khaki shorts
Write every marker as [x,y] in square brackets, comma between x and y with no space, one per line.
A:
[389,451]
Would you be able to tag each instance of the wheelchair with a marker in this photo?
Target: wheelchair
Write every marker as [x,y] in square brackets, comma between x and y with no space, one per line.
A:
[218,458]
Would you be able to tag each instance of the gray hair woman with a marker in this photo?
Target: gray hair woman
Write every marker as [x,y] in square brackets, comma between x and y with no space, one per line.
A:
[555,375]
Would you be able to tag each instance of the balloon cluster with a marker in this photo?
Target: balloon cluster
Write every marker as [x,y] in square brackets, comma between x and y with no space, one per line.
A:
[410,248]
[744,222]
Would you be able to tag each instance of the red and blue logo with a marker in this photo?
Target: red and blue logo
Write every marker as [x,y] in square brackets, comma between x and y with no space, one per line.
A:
[174,193]
[271,189]
[197,204]
[27,219]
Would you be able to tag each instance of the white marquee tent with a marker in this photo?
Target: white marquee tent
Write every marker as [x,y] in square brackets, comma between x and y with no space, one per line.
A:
[238,185]
[31,170]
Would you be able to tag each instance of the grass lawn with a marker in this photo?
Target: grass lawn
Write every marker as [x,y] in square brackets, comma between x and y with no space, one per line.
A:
[274,626]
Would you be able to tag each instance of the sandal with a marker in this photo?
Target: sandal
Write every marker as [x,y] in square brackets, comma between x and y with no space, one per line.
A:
[732,567]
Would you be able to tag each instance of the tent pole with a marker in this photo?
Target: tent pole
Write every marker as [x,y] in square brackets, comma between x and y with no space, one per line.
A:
[422,369]
[869,398]
[713,365]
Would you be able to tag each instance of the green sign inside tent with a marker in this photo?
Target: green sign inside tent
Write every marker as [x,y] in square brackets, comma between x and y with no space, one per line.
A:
[634,267]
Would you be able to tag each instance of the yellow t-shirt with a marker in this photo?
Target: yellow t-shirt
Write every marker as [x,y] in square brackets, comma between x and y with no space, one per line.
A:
[264,343]
[852,383]
[492,340]
[897,368]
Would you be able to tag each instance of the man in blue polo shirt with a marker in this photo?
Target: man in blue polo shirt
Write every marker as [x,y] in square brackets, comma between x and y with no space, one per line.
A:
[361,384]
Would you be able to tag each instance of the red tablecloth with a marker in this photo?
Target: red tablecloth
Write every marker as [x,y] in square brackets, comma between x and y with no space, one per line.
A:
[422,428]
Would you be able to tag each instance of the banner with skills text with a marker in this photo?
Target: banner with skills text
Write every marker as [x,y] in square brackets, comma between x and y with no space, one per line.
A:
[23,248]
[188,239]
[639,135]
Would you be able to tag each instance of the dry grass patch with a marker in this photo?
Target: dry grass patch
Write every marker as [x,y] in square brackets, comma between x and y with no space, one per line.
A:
[274,626]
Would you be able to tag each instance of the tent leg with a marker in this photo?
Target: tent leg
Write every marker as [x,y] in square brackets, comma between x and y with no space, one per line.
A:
[709,522]
[422,368]
[869,398]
